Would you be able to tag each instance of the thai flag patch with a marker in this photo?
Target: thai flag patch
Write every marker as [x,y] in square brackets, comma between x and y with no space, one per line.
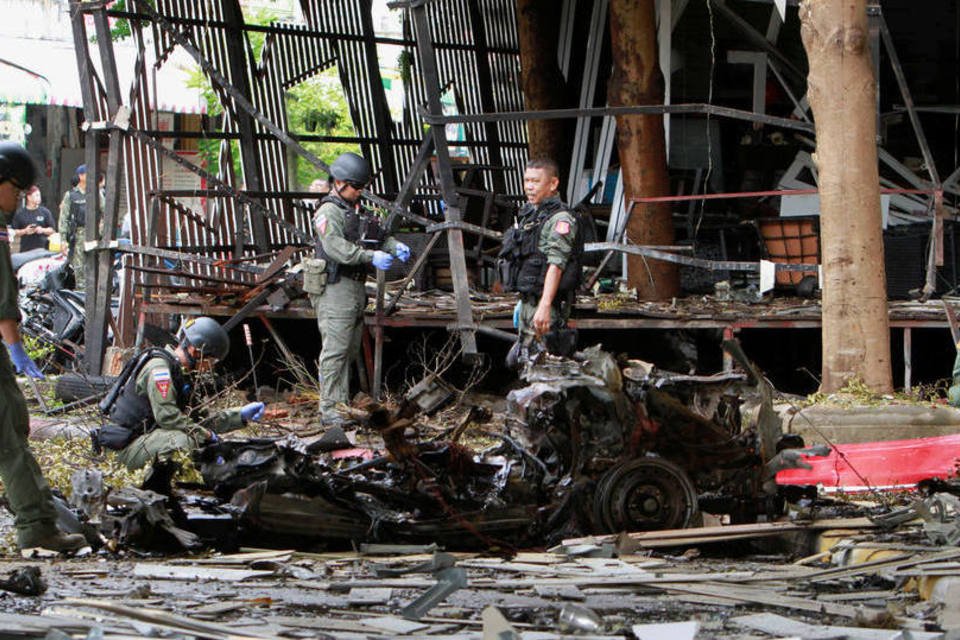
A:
[562,227]
[161,378]
[322,224]
[4,237]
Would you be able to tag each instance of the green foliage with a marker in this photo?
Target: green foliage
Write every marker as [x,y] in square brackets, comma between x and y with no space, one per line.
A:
[120,29]
[38,350]
[317,106]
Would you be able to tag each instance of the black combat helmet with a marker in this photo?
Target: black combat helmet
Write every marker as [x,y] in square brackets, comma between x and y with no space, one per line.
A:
[207,335]
[352,169]
[16,165]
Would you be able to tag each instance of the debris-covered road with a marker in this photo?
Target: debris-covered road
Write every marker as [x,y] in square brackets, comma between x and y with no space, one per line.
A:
[409,592]
[500,520]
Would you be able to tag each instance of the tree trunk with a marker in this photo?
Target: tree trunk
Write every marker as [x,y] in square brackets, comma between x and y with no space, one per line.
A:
[637,80]
[538,24]
[841,90]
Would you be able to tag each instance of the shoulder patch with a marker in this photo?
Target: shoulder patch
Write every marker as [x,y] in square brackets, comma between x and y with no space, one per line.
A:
[562,227]
[161,379]
[322,223]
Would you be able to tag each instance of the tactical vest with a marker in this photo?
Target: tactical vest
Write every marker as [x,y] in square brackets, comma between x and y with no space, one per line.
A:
[78,208]
[362,229]
[526,263]
[132,410]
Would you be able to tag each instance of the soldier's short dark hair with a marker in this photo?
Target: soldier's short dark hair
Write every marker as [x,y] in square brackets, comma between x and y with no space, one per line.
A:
[547,164]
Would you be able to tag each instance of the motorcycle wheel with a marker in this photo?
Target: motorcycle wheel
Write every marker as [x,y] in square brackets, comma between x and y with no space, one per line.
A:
[73,386]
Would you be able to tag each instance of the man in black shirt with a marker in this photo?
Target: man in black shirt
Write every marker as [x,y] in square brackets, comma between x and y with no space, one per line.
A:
[33,223]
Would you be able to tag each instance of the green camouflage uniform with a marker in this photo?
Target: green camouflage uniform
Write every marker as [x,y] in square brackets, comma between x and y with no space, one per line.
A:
[953,393]
[27,491]
[174,431]
[63,228]
[557,239]
[340,308]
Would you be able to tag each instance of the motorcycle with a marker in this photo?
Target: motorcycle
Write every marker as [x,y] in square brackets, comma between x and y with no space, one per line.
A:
[52,314]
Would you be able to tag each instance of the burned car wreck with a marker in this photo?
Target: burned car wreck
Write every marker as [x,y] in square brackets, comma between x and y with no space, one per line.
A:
[589,446]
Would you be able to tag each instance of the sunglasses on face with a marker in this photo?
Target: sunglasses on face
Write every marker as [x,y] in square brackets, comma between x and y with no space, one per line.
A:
[19,187]
[359,186]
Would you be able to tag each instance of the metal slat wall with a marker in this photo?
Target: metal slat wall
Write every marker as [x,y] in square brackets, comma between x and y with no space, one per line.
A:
[288,58]
[296,52]
[341,33]
[359,81]
[500,26]
[452,32]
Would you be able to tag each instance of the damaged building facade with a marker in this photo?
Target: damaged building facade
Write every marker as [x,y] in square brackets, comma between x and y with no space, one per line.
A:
[449,163]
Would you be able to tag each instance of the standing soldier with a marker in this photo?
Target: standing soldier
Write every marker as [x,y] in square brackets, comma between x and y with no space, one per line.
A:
[28,494]
[350,238]
[73,220]
[543,252]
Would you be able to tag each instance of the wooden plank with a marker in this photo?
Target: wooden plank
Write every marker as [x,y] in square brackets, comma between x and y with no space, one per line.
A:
[179,572]
[903,561]
[763,597]
[726,532]
[777,625]
[166,620]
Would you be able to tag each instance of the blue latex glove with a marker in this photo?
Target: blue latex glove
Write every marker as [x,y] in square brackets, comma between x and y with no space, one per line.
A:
[22,361]
[213,438]
[382,260]
[252,412]
[402,252]
[516,315]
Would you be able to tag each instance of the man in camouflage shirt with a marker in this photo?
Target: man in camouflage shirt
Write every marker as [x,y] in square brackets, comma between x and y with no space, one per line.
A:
[149,404]
[546,260]
[28,495]
[350,240]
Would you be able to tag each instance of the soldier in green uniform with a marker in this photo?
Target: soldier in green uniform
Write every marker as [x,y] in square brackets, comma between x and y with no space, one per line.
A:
[27,492]
[953,393]
[72,224]
[543,256]
[350,239]
[148,402]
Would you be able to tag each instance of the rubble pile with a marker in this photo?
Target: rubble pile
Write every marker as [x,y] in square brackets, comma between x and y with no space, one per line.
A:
[661,497]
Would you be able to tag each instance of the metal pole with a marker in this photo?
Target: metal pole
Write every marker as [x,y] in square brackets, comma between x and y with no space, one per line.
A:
[458,264]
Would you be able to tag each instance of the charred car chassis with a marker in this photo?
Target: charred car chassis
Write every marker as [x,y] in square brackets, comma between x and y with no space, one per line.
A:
[589,446]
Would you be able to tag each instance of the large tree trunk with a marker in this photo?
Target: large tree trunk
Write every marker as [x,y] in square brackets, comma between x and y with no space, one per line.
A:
[538,24]
[841,90]
[637,80]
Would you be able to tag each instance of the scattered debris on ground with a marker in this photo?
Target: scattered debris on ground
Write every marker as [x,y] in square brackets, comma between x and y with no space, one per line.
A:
[664,499]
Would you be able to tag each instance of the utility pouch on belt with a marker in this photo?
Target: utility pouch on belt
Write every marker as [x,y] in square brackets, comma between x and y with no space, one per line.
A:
[314,275]
[114,437]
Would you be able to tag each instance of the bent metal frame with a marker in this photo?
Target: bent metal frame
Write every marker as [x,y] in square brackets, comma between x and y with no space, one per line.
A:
[246,226]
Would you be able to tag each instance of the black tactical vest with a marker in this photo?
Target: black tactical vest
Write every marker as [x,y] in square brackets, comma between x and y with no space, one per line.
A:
[132,410]
[363,229]
[78,208]
[527,264]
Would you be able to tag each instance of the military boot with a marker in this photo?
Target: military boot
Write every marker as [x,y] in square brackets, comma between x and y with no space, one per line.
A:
[57,541]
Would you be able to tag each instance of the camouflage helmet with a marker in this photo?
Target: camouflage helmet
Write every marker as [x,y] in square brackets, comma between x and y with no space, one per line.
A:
[17,165]
[207,336]
[352,169]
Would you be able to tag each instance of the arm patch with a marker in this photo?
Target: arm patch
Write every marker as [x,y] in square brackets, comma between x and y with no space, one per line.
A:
[161,379]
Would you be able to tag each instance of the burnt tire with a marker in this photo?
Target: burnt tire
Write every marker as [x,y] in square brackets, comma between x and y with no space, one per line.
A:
[645,494]
[72,386]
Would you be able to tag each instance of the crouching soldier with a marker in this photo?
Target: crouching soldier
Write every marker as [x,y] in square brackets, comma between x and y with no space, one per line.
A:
[147,405]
